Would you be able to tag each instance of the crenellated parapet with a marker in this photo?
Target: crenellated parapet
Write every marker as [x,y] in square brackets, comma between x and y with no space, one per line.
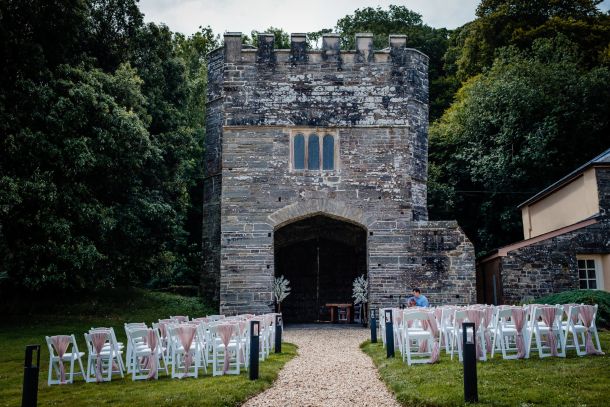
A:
[396,53]
[323,87]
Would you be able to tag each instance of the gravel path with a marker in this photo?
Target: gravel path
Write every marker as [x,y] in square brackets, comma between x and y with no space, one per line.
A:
[330,370]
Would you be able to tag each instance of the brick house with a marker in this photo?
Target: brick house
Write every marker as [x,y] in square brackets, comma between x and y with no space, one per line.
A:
[316,169]
[566,231]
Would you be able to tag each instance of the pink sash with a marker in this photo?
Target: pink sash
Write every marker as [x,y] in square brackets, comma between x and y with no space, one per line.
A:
[98,338]
[60,344]
[153,360]
[518,317]
[433,328]
[224,332]
[587,312]
[548,316]
[487,316]
[186,334]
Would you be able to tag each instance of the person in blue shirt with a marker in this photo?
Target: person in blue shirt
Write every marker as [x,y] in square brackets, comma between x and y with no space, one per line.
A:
[420,300]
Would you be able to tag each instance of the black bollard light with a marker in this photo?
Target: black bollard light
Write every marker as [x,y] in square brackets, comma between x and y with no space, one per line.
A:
[254,349]
[278,333]
[469,354]
[30,377]
[373,323]
[389,333]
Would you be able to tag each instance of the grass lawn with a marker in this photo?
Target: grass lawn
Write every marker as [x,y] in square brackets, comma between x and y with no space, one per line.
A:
[573,381]
[114,309]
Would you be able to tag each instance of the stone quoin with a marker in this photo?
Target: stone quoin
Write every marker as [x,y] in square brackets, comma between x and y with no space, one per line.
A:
[317,159]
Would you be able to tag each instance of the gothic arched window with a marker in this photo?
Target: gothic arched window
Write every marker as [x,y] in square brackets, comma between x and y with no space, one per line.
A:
[313,152]
[328,152]
[299,152]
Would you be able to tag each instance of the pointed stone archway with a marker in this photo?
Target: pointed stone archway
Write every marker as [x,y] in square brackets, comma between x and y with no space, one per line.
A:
[321,255]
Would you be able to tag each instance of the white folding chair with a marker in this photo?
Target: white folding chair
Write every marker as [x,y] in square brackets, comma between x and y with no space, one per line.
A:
[545,322]
[185,350]
[445,327]
[225,351]
[118,346]
[63,348]
[506,332]
[144,358]
[573,326]
[459,315]
[203,343]
[587,315]
[102,356]
[129,327]
[161,327]
[417,342]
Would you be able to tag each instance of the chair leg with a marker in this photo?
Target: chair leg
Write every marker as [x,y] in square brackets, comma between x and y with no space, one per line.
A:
[594,332]
[50,371]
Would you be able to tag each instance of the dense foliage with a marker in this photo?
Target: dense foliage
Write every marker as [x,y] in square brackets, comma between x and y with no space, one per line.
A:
[591,297]
[513,130]
[101,121]
[532,107]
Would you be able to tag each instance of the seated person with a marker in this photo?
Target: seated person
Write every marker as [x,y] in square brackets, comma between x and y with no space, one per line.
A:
[411,302]
[420,300]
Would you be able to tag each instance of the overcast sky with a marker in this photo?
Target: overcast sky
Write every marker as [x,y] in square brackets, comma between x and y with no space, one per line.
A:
[186,16]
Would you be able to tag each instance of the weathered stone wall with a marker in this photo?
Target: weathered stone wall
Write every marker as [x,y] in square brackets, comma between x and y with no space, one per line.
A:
[602,174]
[433,256]
[550,266]
[376,104]
[212,183]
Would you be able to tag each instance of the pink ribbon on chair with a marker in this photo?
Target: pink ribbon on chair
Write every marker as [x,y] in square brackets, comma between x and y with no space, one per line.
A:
[487,316]
[200,320]
[397,315]
[432,326]
[566,309]
[548,316]
[243,327]
[224,332]
[98,338]
[186,334]
[438,314]
[475,316]
[587,313]
[518,317]
[153,360]
[423,344]
[60,344]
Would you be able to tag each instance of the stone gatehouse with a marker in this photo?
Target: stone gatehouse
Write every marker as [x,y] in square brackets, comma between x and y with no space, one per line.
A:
[316,167]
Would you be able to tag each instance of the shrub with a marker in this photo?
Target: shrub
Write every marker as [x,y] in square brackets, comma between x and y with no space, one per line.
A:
[592,297]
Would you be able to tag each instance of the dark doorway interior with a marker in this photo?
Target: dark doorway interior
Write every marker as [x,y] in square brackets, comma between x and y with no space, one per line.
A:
[321,257]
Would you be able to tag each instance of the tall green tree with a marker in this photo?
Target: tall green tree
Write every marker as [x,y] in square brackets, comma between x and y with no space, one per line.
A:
[534,116]
[102,124]
[500,23]
[67,187]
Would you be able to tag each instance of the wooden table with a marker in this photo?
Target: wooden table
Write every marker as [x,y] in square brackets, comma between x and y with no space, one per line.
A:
[340,306]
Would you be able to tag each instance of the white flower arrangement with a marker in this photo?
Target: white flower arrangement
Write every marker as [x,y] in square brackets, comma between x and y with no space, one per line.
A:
[281,289]
[361,290]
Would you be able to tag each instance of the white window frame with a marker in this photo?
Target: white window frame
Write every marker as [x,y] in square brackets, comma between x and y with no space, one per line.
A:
[599,271]
[306,133]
